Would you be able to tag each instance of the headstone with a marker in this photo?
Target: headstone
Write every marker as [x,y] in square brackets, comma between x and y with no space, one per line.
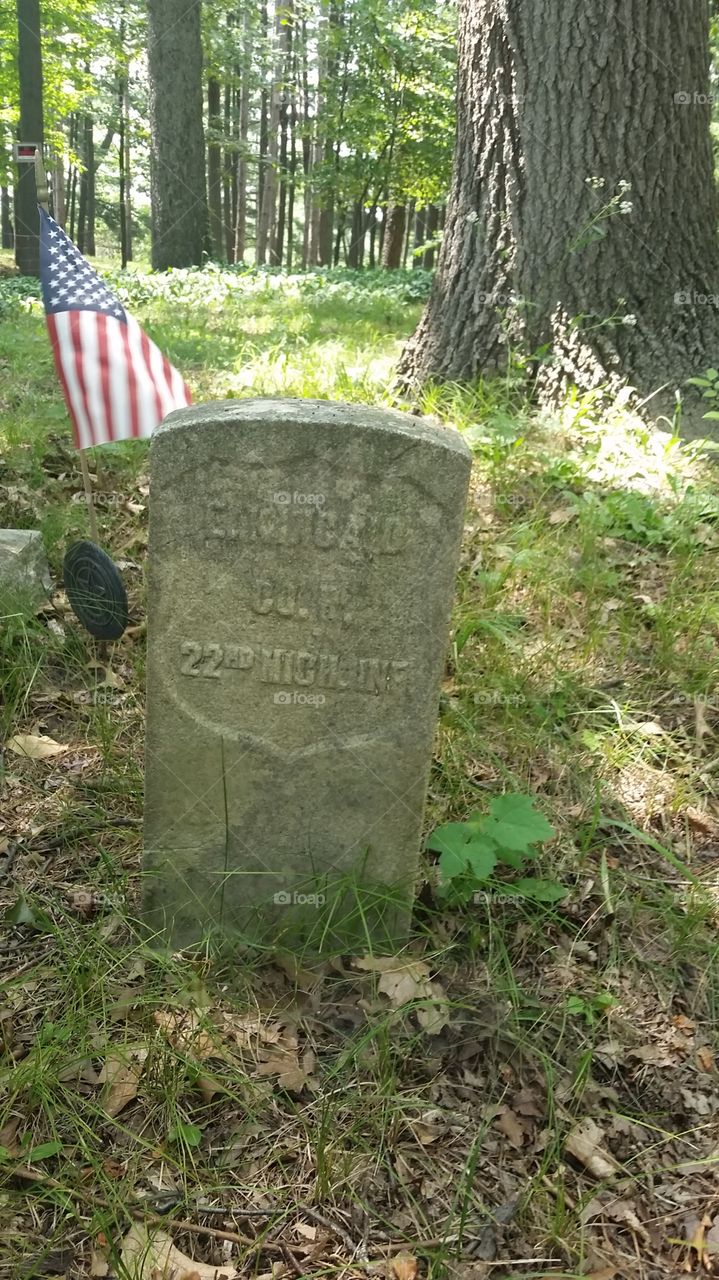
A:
[302,562]
[24,576]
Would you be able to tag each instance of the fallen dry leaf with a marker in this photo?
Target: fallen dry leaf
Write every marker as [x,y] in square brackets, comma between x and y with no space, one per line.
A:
[403,1267]
[307,1232]
[705,1058]
[121,1075]
[99,1265]
[155,1257]
[508,1124]
[34,746]
[584,1142]
[562,515]
[405,980]
[184,1032]
[283,1061]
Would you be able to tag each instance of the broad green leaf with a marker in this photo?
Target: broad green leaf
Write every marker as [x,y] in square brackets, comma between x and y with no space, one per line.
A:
[463,847]
[482,857]
[44,1151]
[188,1134]
[20,912]
[540,890]
[5,1155]
[514,823]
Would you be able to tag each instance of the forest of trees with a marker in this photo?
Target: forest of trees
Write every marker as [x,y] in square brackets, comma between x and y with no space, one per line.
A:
[580,225]
[283,132]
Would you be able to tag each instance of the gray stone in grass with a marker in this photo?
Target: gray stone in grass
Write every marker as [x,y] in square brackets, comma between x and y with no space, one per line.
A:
[302,562]
[24,576]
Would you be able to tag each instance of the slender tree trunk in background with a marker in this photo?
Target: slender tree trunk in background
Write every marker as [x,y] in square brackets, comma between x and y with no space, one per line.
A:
[432,227]
[241,214]
[226,170]
[407,232]
[123,147]
[264,134]
[420,218]
[384,204]
[73,204]
[127,146]
[89,177]
[29,58]
[6,233]
[279,237]
[525,222]
[339,237]
[122,176]
[268,211]
[235,158]
[214,168]
[177,154]
[372,223]
[354,249]
[293,162]
[71,179]
[394,236]
[306,152]
[58,191]
[86,214]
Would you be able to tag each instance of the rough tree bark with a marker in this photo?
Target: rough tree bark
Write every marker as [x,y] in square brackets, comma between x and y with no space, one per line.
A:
[554,98]
[177,156]
[27,227]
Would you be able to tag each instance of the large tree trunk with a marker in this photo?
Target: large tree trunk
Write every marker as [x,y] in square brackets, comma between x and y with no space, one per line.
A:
[543,233]
[27,241]
[177,156]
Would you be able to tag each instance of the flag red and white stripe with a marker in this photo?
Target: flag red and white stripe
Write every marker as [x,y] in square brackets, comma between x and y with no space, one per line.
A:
[117,383]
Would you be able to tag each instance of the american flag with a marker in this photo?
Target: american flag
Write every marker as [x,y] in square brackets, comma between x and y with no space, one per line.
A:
[117,384]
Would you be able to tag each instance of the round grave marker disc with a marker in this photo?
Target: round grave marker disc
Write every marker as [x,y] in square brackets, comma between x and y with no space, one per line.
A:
[95,590]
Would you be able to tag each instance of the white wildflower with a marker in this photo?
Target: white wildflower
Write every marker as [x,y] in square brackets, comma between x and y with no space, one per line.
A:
[626,206]
[630,321]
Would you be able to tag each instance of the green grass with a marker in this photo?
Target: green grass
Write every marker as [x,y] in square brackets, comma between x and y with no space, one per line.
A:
[584,671]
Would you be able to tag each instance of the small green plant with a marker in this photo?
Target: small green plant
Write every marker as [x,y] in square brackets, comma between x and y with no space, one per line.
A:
[709,387]
[506,836]
[591,1008]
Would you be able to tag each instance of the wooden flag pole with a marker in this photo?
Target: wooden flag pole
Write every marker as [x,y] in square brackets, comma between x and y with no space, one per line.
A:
[42,199]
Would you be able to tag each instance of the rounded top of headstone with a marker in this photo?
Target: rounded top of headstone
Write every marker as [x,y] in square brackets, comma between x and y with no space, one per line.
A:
[311,414]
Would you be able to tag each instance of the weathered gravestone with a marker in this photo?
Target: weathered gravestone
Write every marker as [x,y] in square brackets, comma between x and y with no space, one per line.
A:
[24,576]
[301,569]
